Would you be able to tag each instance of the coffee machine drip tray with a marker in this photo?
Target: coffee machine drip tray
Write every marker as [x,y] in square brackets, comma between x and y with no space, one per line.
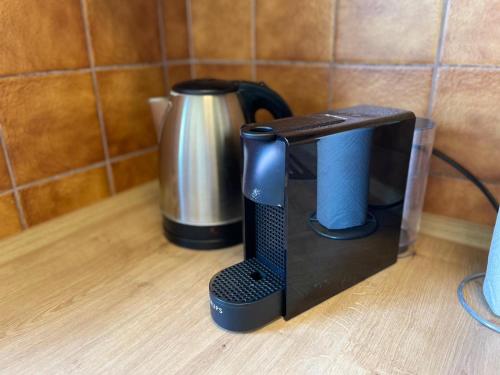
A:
[245,296]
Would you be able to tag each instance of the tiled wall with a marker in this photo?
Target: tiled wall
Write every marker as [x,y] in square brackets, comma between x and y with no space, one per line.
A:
[75,75]
[74,78]
[439,58]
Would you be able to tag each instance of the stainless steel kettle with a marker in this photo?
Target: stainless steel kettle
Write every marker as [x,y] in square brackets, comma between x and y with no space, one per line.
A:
[198,127]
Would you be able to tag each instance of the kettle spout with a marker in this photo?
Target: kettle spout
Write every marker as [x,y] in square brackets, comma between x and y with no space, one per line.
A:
[159,108]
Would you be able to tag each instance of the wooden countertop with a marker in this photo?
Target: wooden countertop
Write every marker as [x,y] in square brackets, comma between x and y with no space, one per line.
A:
[101,291]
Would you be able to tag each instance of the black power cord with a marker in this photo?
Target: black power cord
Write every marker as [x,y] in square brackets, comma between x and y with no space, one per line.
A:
[459,167]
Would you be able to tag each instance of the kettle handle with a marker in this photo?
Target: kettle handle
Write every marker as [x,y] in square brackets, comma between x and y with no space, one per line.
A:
[254,96]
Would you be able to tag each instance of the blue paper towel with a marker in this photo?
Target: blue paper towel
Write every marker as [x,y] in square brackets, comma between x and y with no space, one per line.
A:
[491,286]
[343,178]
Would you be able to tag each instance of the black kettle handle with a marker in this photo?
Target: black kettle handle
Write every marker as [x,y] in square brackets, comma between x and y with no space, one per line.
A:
[255,96]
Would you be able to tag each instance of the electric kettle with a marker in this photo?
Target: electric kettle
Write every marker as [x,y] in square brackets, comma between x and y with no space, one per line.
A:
[198,127]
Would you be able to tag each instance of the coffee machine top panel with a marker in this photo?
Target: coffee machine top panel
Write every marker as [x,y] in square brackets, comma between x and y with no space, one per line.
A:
[305,128]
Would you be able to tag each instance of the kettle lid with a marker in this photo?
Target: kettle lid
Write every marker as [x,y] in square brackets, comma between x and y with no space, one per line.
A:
[205,86]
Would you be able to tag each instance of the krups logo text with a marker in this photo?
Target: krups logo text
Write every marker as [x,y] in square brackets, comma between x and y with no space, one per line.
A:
[215,307]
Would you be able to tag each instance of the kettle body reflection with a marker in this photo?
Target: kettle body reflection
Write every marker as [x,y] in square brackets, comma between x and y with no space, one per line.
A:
[198,128]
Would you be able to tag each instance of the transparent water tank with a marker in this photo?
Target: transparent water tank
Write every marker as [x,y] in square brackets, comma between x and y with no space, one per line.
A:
[423,140]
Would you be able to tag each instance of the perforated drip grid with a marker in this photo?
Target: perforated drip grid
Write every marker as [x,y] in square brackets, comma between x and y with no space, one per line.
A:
[270,233]
[245,282]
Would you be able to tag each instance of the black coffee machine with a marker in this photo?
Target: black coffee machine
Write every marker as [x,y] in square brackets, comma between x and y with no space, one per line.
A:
[323,201]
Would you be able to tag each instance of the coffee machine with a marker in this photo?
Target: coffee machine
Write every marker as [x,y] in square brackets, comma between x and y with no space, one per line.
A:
[323,204]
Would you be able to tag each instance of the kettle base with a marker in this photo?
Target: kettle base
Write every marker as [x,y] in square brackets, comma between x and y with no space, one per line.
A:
[202,237]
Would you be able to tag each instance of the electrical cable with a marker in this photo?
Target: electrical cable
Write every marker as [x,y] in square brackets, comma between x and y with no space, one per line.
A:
[469,309]
[491,198]
[459,167]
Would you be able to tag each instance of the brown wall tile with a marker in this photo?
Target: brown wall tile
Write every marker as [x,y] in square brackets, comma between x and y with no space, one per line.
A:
[176,34]
[294,30]
[224,71]
[41,35]
[135,171]
[457,197]
[50,124]
[44,202]
[263,115]
[473,32]
[124,32]
[467,120]
[407,88]
[221,29]
[305,88]
[178,73]
[5,183]
[8,216]
[388,31]
[124,95]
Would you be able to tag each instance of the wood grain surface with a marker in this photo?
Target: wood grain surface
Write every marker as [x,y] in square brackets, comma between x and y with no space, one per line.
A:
[101,291]
[457,230]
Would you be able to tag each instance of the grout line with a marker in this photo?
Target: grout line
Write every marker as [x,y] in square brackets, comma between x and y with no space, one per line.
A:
[133,154]
[291,62]
[45,73]
[322,64]
[9,192]
[381,66]
[437,60]
[330,89]
[220,61]
[12,176]
[106,68]
[471,66]
[253,38]
[178,62]
[59,176]
[100,68]
[95,84]
[189,18]
[163,44]
[335,11]
[84,169]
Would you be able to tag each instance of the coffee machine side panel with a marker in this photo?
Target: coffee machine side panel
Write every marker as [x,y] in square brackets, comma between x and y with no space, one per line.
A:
[322,262]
